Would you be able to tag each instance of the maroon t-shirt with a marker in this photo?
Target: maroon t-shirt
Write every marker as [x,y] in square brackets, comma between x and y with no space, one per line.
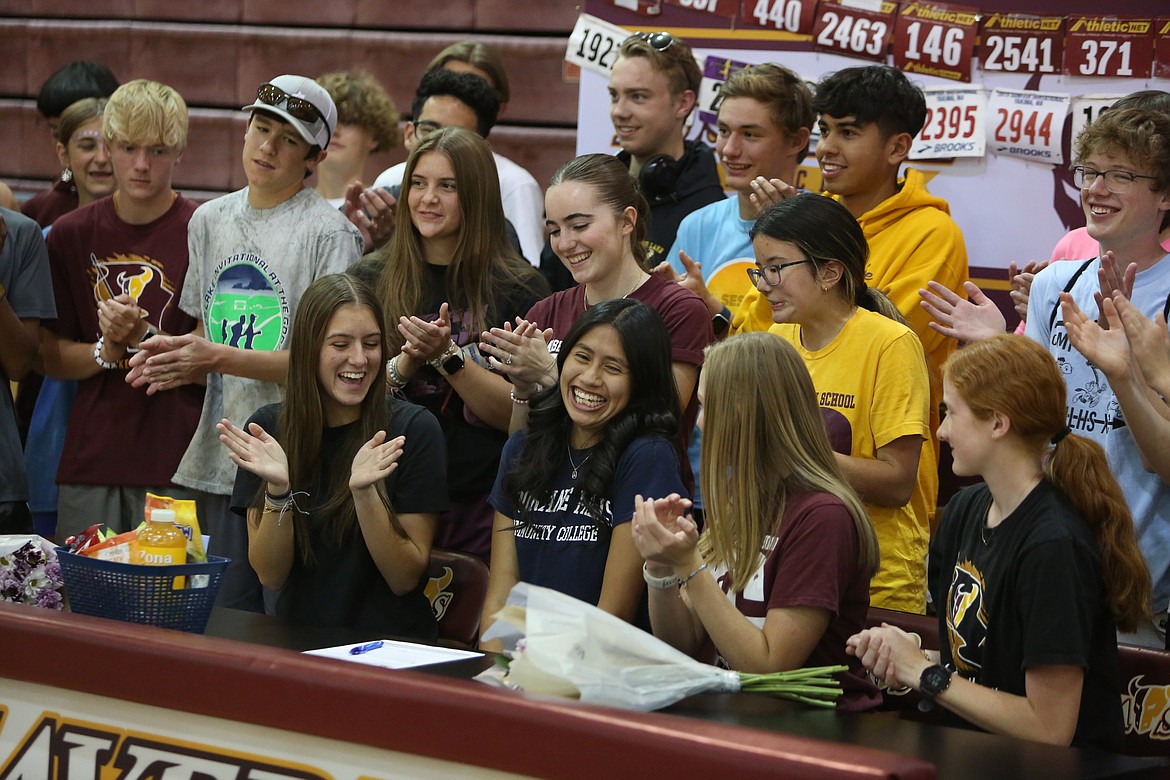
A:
[813,563]
[687,321]
[117,434]
[44,207]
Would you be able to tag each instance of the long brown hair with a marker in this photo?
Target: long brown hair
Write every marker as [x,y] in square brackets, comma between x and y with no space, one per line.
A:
[484,267]
[302,416]
[1029,390]
[764,438]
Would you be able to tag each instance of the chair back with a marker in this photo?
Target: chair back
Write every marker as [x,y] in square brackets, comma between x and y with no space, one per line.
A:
[456,588]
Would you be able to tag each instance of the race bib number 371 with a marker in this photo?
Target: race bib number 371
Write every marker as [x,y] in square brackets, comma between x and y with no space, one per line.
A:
[854,31]
[1110,47]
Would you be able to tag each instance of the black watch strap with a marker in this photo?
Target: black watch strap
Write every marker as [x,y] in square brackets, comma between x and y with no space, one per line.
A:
[934,680]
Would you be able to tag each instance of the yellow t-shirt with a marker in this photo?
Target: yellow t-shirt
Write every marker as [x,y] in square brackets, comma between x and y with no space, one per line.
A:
[872,380]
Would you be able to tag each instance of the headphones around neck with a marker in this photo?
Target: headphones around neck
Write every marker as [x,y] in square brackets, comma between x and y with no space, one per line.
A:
[658,177]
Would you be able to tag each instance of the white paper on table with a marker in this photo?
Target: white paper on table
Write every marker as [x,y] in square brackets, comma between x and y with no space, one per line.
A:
[396,655]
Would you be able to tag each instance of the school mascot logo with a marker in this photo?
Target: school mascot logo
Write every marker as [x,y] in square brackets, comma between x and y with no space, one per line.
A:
[142,278]
[966,618]
[1146,709]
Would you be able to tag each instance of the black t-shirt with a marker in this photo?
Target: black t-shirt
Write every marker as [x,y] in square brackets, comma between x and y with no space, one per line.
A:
[473,446]
[343,586]
[1028,592]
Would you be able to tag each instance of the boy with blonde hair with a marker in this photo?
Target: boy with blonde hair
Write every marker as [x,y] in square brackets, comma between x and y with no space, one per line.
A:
[118,266]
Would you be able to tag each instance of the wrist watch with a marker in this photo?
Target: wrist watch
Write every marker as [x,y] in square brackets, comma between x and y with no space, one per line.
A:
[934,680]
[450,362]
[721,321]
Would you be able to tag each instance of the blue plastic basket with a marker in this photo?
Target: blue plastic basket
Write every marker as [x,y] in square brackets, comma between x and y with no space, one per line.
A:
[143,594]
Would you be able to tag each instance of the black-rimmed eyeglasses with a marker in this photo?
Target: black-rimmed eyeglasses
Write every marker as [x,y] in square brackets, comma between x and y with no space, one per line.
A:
[1116,181]
[658,41]
[771,273]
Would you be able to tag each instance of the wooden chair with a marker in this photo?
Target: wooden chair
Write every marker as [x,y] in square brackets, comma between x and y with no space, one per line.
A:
[456,587]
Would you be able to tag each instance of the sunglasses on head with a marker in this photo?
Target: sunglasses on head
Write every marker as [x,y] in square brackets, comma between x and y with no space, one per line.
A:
[658,41]
[295,106]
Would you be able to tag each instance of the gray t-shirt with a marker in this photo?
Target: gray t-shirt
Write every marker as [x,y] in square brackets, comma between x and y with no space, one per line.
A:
[249,268]
[24,272]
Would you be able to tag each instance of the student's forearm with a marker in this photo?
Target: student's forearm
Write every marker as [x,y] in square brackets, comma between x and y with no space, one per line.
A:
[877,481]
[400,559]
[484,393]
[1147,423]
[73,360]
[504,574]
[1020,716]
[672,620]
[18,342]
[259,364]
[271,545]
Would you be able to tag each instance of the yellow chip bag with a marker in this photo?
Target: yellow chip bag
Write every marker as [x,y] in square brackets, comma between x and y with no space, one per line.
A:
[186,521]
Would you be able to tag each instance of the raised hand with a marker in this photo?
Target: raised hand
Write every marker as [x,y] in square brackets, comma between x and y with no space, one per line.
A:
[767,193]
[974,319]
[256,451]
[663,533]
[1021,281]
[426,340]
[521,353]
[1107,348]
[375,460]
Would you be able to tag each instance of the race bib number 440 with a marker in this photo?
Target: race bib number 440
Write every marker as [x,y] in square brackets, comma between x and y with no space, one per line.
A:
[1025,124]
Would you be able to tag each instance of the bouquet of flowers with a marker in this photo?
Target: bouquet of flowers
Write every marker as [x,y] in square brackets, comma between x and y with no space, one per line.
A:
[565,647]
[29,572]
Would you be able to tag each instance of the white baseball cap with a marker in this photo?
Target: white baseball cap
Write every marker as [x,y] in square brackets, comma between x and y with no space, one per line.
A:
[301,102]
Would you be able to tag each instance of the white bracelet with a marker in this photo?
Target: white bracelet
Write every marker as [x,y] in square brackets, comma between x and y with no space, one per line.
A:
[658,583]
[97,355]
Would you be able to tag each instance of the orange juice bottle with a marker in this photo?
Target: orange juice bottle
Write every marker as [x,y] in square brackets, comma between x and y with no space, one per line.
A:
[160,543]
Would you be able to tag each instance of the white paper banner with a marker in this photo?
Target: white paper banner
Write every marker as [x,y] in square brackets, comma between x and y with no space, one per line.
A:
[1085,110]
[594,43]
[715,73]
[1028,125]
[956,118]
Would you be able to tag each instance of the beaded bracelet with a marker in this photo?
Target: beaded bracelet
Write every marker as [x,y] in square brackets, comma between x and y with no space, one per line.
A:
[97,355]
[691,576]
[282,504]
[394,376]
[516,400]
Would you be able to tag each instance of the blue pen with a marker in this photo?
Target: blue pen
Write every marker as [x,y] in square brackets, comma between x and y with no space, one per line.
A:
[367,647]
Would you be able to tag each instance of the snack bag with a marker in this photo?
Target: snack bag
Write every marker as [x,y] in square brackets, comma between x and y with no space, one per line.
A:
[115,548]
[185,520]
[92,535]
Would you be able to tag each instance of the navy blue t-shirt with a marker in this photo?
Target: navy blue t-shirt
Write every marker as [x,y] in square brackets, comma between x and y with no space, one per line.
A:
[558,545]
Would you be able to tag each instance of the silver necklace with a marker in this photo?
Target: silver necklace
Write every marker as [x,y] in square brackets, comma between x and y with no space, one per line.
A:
[576,466]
